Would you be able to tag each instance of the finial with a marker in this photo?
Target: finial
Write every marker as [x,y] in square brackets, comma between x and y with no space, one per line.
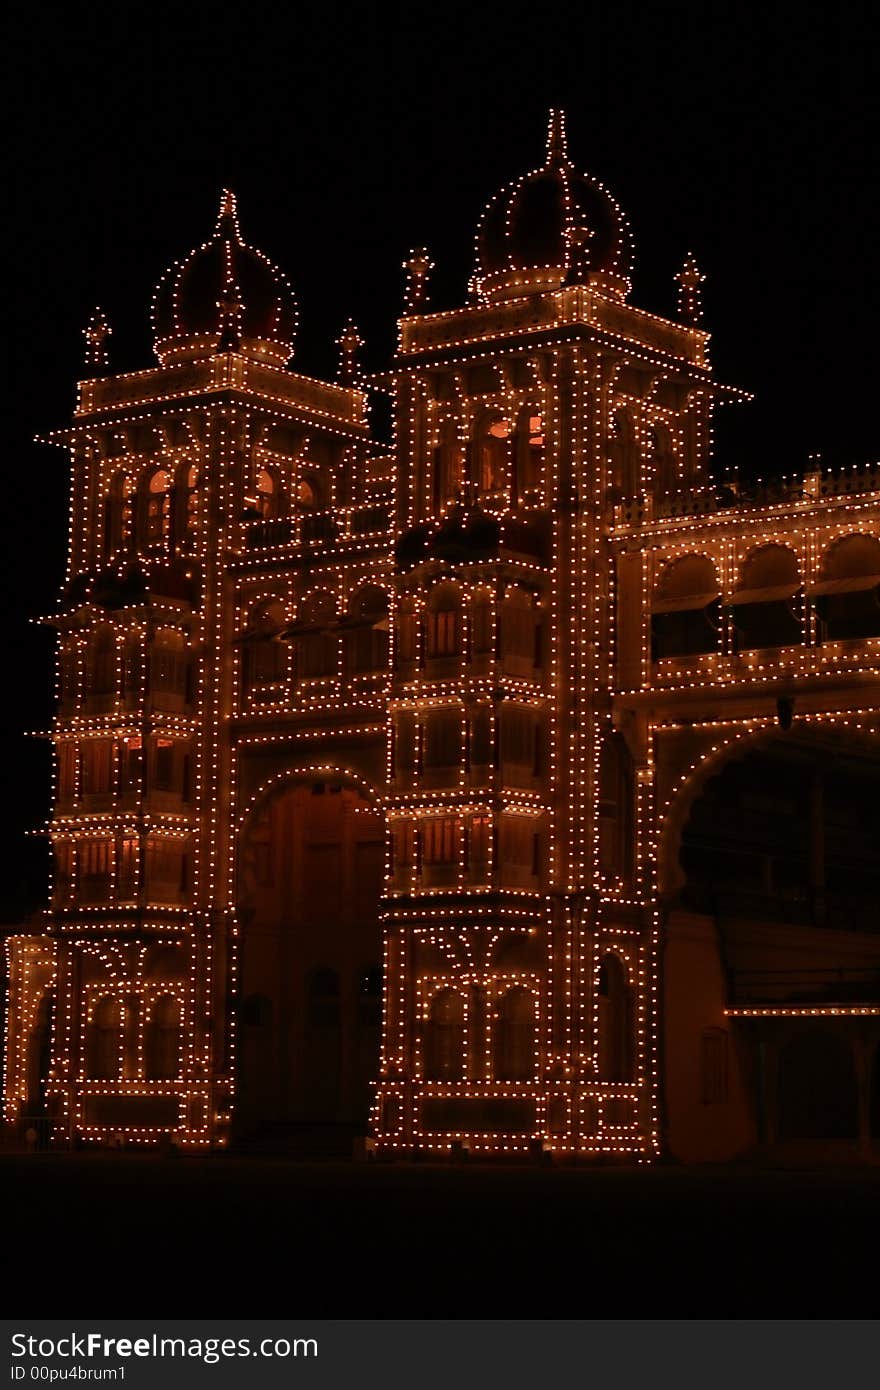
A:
[418,266]
[349,343]
[227,218]
[690,297]
[230,307]
[556,148]
[96,333]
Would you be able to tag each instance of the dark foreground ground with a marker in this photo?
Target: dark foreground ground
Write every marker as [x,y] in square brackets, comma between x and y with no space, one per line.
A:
[128,1235]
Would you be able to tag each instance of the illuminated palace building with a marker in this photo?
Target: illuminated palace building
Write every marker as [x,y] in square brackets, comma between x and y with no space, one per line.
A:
[507,788]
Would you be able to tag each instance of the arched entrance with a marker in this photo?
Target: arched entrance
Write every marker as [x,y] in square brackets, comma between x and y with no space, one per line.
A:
[310,875]
[770,874]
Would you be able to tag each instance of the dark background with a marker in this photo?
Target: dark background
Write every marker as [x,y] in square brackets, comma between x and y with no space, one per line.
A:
[352,133]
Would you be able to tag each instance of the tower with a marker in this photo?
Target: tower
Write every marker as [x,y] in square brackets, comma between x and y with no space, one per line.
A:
[521,943]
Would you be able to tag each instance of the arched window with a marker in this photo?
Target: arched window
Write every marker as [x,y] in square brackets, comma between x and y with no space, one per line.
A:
[514,1037]
[528,452]
[624,453]
[162,1041]
[686,609]
[490,454]
[104,1040]
[117,506]
[102,662]
[366,640]
[307,497]
[615,1021]
[766,607]
[267,495]
[443,622]
[264,654]
[187,502]
[317,637]
[157,509]
[445,1037]
[446,466]
[847,595]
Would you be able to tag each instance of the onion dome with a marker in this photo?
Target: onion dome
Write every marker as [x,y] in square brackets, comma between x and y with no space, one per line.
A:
[551,227]
[224,296]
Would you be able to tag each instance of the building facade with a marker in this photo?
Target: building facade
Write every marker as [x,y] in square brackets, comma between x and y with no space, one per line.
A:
[508,788]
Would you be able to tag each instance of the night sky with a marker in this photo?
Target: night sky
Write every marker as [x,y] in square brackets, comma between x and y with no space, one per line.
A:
[351,133]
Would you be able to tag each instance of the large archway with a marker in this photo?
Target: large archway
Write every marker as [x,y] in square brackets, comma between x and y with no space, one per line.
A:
[786,829]
[770,873]
[310,875]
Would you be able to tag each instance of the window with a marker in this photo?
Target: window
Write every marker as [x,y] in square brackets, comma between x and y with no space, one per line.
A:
[66,753]
[267,495]
[95,861]
[187,502]
[479,840]
[317,643]
[167,869]
[439,840]
[126,886]
[847,595]
[407,633]
[443,623]
[444,1043]
[481,738]
[402,845]
[170,666]
[97,765]
[520,741]
[307,494]
[514,1037]
[686,609]
[157,509]
[490,451]
[162,1040]
[481,624]
[367,638]
[264,656]
[615,1021]
[766,606]
[132,752]
[63,860]
[117,514]
[163,765]
[529,451]
[102,663]
[519,627]
[713,1066]
[663,461]
[446,466]
[624,454]
[104,1041]
[442,746]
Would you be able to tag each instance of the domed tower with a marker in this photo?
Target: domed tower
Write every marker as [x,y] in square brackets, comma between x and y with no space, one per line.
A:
[224,295]
[552,226]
